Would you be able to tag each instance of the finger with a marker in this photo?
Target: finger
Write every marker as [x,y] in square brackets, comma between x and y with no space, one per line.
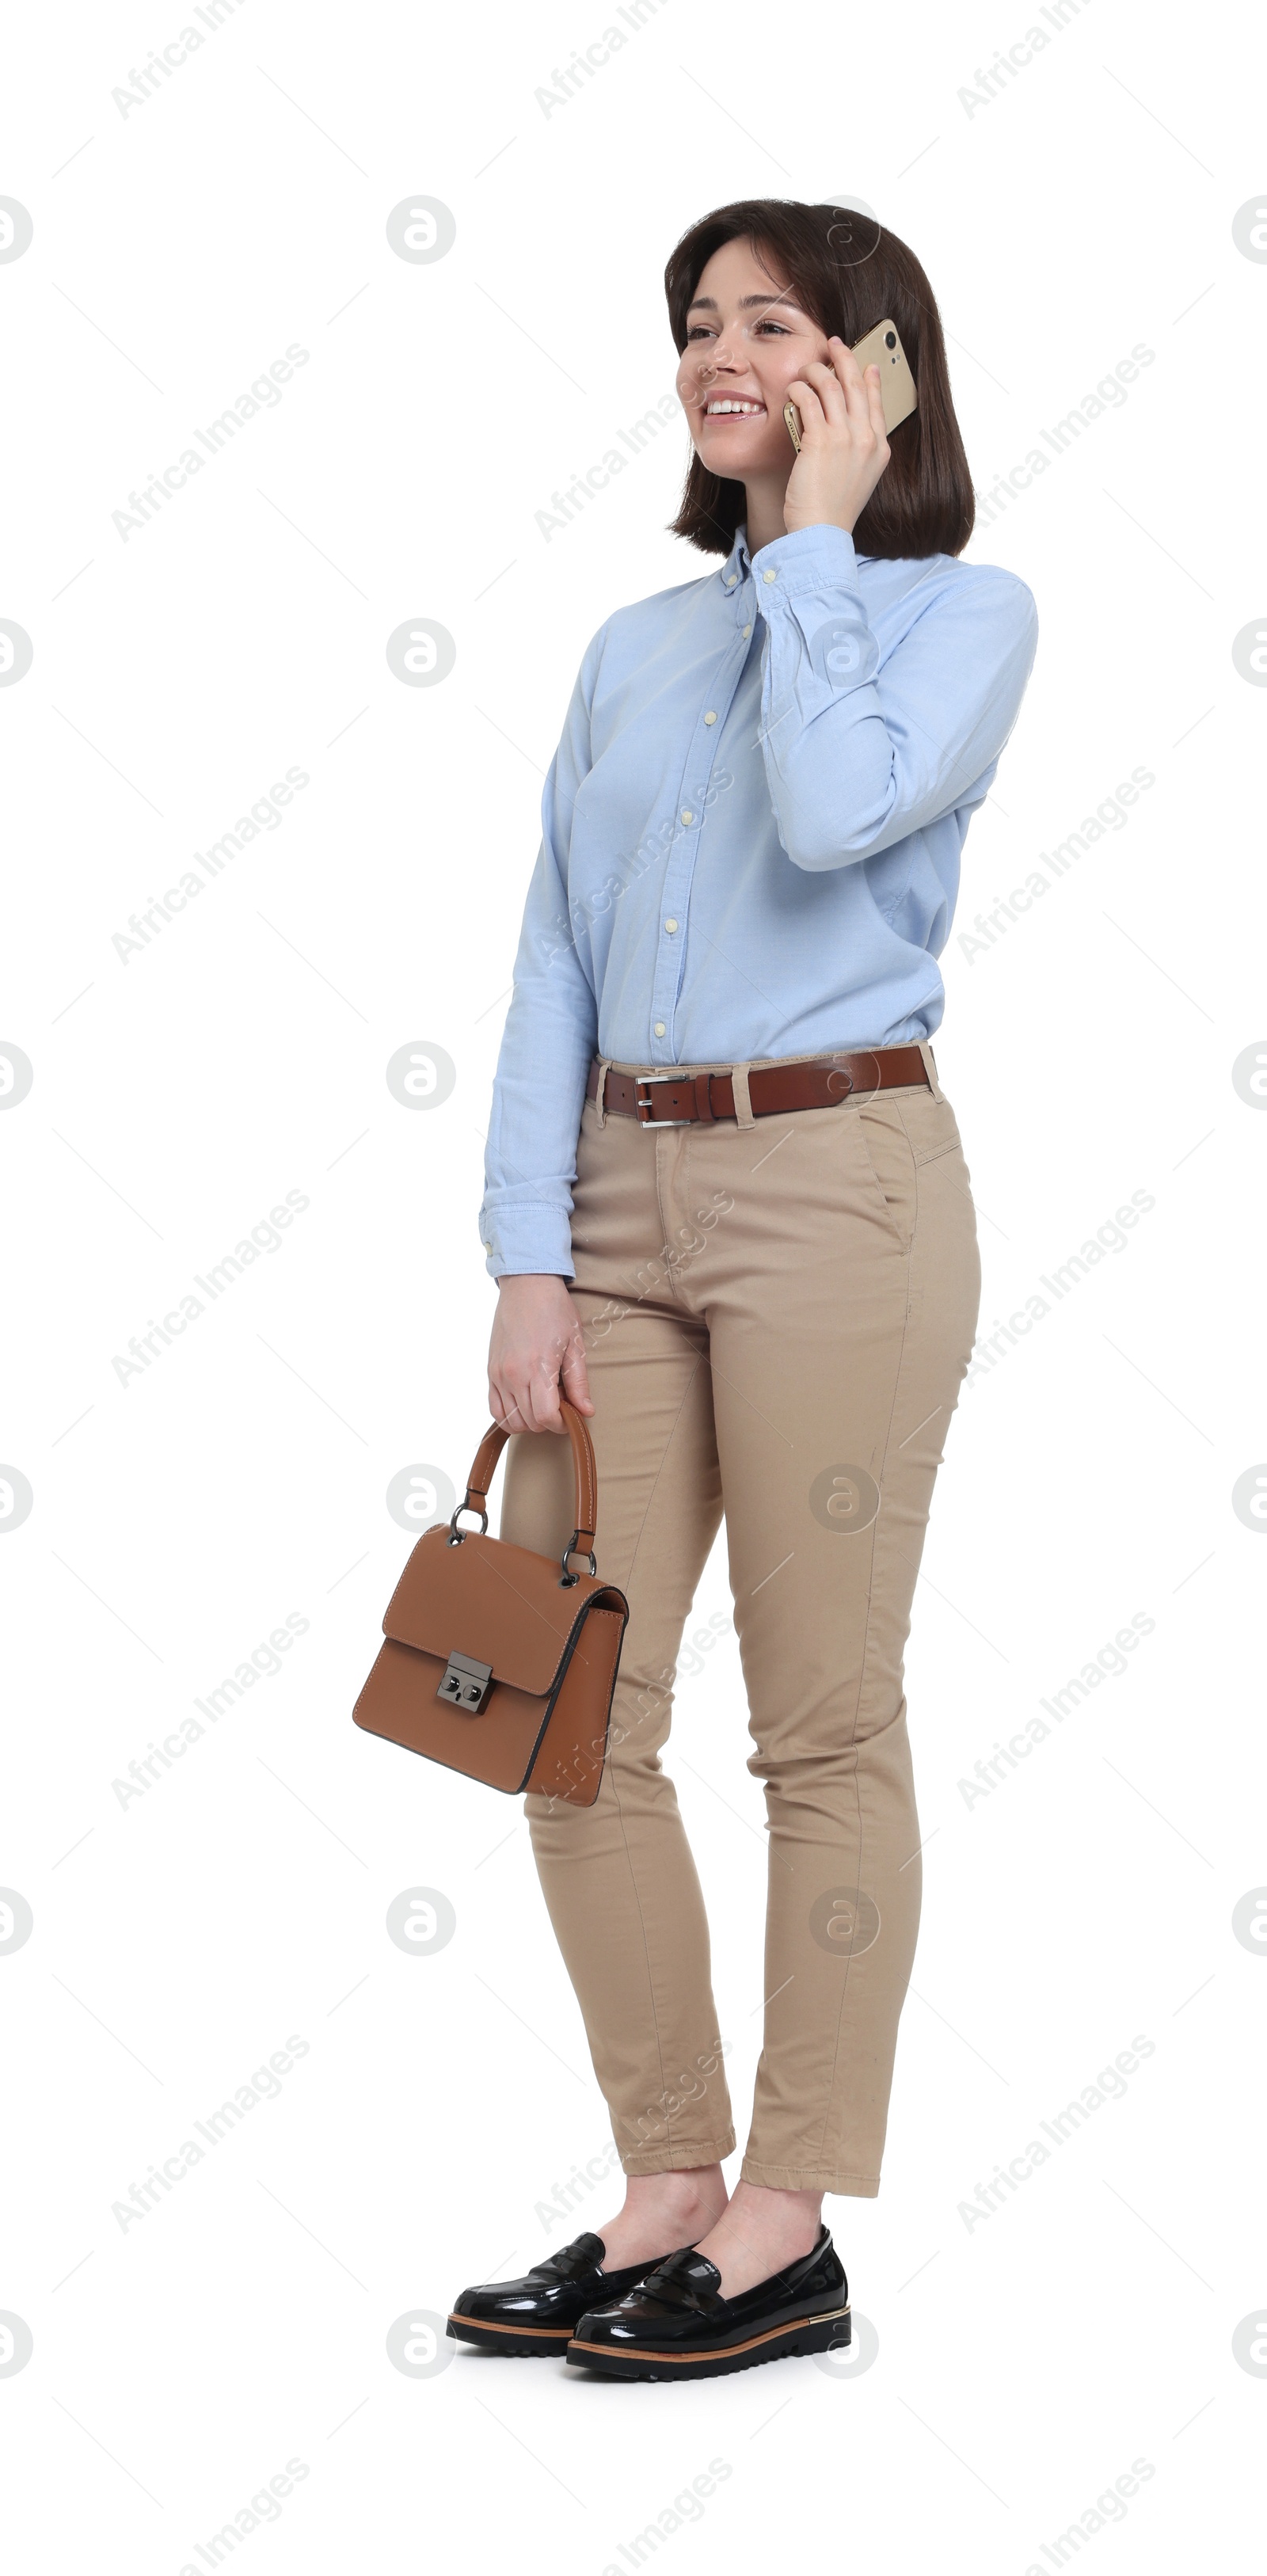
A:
[521,1415]
[830,387]
[520,1411]
[576,1379]
[504,1407]
[875,398]
[806,398]
[544,1398]
[857,384]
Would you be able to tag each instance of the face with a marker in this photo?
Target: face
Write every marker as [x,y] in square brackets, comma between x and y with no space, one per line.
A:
[746,338]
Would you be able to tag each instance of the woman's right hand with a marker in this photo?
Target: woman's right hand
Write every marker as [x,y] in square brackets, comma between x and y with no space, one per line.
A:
[536,1350]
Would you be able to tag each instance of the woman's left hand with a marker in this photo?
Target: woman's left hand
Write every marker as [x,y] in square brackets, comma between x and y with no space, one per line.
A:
[844,449]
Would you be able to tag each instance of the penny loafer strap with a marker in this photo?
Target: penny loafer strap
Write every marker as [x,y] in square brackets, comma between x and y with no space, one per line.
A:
[686,2280]
[573,2262]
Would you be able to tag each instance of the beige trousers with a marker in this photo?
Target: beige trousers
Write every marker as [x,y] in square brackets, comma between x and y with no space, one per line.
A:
[778,1316]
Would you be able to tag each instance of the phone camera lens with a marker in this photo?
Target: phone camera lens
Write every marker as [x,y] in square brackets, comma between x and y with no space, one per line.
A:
[890,339]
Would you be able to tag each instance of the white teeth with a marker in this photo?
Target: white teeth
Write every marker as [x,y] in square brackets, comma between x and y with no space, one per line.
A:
[746,409]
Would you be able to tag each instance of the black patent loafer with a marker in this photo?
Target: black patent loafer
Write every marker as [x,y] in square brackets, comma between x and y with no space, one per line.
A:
[539,2313]
[676,2324]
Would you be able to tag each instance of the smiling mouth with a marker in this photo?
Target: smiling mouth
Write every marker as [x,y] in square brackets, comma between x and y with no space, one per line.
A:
[727,409]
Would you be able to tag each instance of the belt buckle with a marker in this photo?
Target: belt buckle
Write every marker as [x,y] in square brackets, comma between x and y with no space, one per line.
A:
[642,1108]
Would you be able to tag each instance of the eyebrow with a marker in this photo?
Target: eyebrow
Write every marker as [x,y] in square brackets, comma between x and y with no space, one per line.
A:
[707,303]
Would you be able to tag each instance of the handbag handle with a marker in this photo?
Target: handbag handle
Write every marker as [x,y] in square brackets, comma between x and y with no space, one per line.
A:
[491,1446]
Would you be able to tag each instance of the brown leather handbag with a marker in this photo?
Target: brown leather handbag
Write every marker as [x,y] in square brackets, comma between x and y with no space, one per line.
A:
[499,1662]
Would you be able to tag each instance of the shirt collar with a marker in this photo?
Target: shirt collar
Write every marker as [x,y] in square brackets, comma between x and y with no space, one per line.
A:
[738,563]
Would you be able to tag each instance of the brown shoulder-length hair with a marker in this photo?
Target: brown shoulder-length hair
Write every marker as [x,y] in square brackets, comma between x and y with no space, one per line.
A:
[848,273]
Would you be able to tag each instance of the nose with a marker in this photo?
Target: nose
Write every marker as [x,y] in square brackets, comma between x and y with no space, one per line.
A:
[721,360]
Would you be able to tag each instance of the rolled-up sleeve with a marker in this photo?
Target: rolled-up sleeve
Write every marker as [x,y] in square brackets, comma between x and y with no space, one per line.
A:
[858,756]
[548,1040]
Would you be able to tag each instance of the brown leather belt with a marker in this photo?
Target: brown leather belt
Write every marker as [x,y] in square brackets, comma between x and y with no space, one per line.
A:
[679,1100]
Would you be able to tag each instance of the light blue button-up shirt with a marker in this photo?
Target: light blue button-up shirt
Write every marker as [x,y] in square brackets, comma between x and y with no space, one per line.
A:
[750,836]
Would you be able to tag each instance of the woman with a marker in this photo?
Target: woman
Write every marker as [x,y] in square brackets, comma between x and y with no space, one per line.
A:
[729,1216]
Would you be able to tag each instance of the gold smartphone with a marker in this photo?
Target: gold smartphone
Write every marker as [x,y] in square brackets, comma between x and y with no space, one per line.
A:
[880,348]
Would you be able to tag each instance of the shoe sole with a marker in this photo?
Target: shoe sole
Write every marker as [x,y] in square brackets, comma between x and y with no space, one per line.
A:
[802,2335]
[527,2342]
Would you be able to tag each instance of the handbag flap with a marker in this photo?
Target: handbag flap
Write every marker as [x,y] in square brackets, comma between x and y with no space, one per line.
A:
[503,1605]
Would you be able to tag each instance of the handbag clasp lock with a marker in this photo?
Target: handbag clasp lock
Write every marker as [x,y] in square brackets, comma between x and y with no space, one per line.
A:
[466,1684]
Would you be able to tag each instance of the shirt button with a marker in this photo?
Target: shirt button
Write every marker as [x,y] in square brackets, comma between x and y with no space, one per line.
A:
[731,579]
[659,1028]
[747,630]
[687,815]
[711,716]
[670,925]
[769,576]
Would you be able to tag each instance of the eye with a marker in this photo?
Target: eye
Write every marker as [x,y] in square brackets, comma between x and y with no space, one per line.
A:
[697,331]
[780,327]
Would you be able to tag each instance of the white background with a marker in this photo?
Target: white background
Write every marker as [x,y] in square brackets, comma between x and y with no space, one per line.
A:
[1025,2361]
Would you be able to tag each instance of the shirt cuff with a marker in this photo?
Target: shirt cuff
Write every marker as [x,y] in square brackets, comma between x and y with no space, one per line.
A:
[537,1237]
[817,558]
